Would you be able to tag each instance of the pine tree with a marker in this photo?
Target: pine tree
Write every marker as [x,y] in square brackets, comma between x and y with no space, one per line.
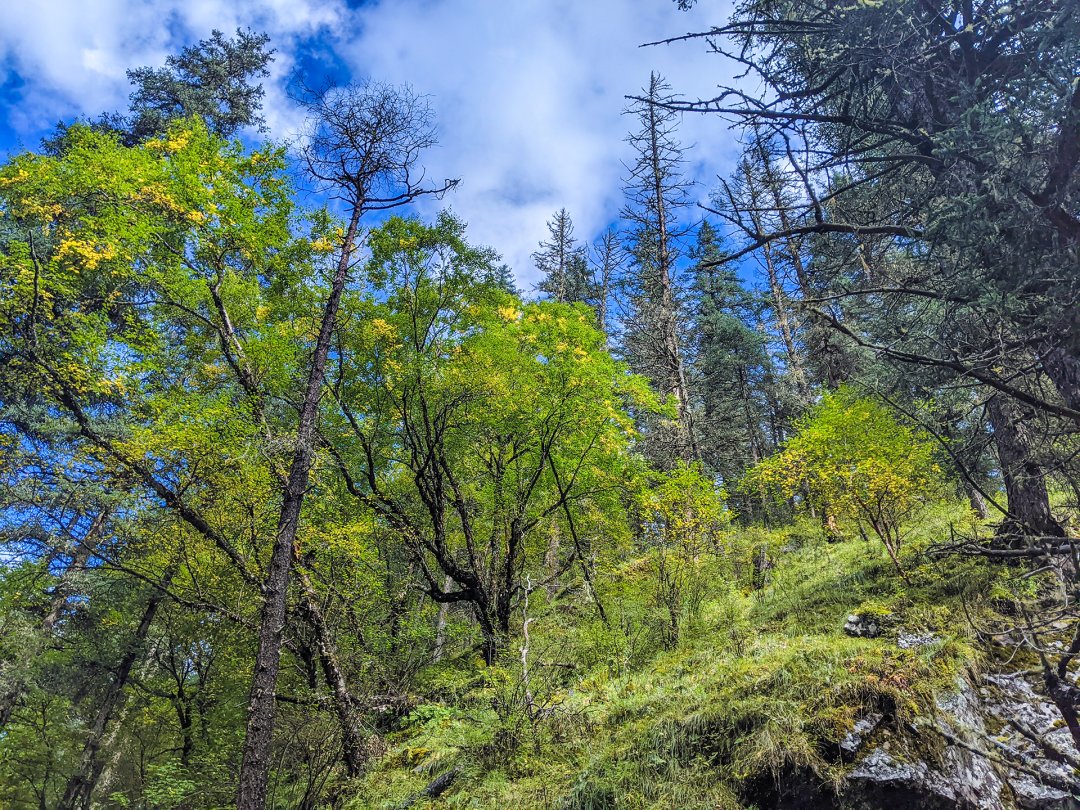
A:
[606,259]
[211,80]
[563,263]
[729,365]
[651,341]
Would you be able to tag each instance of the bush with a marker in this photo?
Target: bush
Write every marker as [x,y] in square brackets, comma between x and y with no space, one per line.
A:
[851,460]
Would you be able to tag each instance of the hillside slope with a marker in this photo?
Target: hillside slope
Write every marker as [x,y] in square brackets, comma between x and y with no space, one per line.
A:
[771,699]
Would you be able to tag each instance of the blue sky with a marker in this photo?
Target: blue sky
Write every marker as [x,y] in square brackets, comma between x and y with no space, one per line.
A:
[528,93]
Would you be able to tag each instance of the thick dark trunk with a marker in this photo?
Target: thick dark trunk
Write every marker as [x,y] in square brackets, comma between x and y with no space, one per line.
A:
[1025,482]
[184,719]
[255,765]
[489,634]
[80,786]
[1063,368]
[508,583]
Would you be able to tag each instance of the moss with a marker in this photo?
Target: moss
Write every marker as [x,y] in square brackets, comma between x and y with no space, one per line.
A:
[875,609]
[766,685]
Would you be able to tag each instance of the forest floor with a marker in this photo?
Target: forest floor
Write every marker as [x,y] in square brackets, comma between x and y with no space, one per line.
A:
[761,683]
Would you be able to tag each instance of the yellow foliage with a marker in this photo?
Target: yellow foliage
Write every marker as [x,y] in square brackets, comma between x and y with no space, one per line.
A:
[383,330]
[86,254]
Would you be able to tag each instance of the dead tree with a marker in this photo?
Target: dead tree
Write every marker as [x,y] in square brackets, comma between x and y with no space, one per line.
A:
[363,144]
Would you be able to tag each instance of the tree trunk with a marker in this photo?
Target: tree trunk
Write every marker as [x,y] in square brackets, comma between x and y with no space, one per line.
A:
[1025,482]
[669,317]
[440,622]
[80,786]
[354,751]
[1063,369]
[551,561]
[781,300]
[780,304]
[977,501]
[255,765]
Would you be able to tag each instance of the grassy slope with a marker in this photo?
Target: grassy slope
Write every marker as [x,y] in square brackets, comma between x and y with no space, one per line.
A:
[761,682]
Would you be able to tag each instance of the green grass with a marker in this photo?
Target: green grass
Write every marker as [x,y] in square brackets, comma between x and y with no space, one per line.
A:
[762,684]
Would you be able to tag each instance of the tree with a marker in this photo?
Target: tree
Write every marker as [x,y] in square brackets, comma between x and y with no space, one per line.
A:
[363,144]
[854,461]
[606,258]
[177,276]
[682,514]
[137,294]
[940,187]
[563,263]
[211,80]
[729,366]
[470,423]
[655,192]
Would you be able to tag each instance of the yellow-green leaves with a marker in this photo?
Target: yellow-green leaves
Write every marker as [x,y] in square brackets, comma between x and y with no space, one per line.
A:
[853,461]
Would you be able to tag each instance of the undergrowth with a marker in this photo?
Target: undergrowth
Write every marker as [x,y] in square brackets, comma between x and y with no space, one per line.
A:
[763,683]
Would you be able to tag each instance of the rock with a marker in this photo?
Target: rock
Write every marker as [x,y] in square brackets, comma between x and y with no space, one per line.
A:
[861,626]
[961,779]
[880,780]
[863,729]
[952,761]
[909,641]
[1012,699]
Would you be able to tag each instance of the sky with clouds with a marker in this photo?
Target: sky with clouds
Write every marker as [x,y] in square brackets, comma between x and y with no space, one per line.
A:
[529,94]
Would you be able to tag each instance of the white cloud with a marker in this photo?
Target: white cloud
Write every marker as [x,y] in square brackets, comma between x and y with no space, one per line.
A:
[529,97]
[72,55]
[528,94]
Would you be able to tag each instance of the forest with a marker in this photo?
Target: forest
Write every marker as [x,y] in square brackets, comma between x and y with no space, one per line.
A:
[767,502]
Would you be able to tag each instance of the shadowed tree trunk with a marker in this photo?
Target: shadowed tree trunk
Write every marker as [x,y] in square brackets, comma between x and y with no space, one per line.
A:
[1024,479]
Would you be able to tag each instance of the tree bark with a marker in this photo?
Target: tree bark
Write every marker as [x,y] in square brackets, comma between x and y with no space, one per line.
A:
[1025,481]
[1063,369]
[551,561]
[255,765]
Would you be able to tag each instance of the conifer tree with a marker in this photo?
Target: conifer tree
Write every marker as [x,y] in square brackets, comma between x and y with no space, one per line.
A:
[563,263]
[656,194]
[729,363]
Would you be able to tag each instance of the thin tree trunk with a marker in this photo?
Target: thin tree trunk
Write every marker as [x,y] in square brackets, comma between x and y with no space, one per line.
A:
[781,301]
[780,304]
[551,561]
[80,786]
[676,368]
[440,622]
[978,503]
[354,751]
[255,765]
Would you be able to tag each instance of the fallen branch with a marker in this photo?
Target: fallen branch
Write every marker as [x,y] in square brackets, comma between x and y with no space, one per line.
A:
[438,787]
